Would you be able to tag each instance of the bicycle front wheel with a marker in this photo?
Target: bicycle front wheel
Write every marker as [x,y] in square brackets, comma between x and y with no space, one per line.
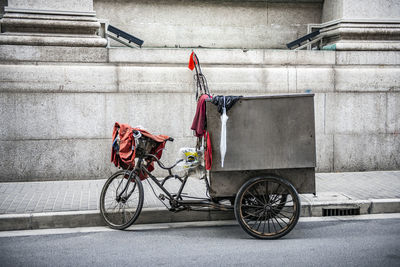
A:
[121,199]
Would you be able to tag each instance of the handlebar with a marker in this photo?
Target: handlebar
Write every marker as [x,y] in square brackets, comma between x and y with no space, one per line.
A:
[161,164]
[138,134]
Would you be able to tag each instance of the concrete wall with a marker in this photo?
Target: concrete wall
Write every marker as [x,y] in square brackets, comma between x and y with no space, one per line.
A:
[213,24]
[71,5]
[361,9]
[332,10]
[371,9]
[58,104]
[3,3]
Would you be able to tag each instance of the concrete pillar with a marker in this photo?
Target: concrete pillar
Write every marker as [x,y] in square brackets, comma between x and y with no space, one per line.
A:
[360,25]
[47,22]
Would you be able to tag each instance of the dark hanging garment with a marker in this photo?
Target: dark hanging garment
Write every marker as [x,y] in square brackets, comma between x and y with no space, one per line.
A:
[229,102]
[199,120]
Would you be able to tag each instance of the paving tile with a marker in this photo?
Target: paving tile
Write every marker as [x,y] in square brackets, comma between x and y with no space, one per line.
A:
[85,195]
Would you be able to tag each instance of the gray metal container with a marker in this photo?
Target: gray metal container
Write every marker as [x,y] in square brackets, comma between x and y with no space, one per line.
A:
[272,134]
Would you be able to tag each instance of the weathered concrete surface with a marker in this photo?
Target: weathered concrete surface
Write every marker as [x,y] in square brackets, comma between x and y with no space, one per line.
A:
[62,159]
[54,159]
[91,116]
[216,24]
[50,23]
[393,116]
[366,151]
[324,152]
[58,78]
[381,78]
[354,113]
[52,54]
[332,10]
[386,58]
[360,9]
[80,6]
[360,25]
[58,104]
[2,4]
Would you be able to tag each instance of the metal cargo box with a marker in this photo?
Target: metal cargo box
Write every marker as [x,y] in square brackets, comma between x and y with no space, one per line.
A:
[272,134]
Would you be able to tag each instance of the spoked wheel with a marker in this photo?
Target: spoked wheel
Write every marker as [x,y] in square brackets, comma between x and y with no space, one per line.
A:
[121,199]
[267,207]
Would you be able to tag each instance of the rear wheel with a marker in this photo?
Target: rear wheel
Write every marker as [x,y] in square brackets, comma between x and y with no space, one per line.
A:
[267,207]
[121,199]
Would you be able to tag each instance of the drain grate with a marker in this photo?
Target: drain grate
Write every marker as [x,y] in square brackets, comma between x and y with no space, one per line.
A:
[341,212]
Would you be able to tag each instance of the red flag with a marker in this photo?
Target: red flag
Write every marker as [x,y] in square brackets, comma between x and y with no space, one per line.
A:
[191,61]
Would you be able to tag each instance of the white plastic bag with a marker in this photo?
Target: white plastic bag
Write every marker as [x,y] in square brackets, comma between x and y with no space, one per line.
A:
[192,162]
[191,157]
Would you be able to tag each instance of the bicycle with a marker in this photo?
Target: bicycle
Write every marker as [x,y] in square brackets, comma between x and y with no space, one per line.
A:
[269,203]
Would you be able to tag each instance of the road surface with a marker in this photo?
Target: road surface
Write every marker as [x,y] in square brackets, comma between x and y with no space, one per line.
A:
[337,241]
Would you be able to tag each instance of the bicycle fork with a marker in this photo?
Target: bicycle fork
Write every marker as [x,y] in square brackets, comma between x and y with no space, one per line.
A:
[120,198]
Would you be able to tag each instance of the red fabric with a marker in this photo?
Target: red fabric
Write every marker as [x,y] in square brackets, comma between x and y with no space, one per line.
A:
[158,138]
[199,120]
[126,156]
[208,154]
[192,61]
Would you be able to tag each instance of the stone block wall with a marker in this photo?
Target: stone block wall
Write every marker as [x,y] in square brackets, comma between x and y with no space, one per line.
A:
[212,24]
[58,101]
[58,104]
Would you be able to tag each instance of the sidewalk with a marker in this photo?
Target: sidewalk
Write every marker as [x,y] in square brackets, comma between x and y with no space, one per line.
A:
[31,205]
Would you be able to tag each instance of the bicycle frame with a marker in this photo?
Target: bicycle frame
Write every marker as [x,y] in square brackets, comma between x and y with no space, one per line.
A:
[176,201]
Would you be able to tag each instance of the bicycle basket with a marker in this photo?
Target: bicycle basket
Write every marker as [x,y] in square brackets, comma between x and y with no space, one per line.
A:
[142,144]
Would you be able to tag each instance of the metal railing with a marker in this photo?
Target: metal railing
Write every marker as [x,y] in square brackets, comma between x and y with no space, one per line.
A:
[118,35]
[304,41]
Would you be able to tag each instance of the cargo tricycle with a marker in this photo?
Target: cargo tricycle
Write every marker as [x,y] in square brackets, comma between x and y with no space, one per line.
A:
[270,160]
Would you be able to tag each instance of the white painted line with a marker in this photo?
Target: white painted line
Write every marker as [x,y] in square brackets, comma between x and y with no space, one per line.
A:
[137,227]
[351,218]
[181,225]
[56,231]
[159,226]
[385,200]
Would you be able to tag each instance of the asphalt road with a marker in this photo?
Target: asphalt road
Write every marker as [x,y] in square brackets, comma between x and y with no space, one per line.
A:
[369,242]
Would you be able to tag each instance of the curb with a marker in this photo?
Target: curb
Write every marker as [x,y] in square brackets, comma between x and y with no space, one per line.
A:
[91,218]
[71,219]
[371,206]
